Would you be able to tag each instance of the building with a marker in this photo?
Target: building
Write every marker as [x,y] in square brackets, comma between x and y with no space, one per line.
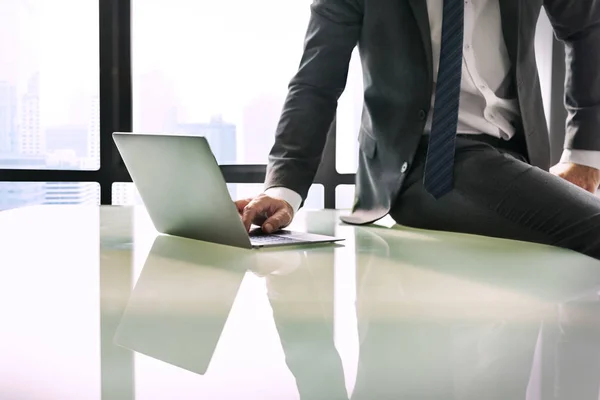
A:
[221,136]
[21,194]
[92,160]
[8,113]
[70,138]
[31,138]
[80,193]
[125,194]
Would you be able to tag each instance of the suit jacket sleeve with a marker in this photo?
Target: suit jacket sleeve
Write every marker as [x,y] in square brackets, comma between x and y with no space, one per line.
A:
[577,24]
[311,103]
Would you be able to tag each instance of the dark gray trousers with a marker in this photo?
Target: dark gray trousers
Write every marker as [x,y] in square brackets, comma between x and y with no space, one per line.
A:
[497,193]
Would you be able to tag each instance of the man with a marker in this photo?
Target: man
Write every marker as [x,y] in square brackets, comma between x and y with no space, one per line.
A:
[453,134]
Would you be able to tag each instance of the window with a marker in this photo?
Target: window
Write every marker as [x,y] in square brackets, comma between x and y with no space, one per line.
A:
[49,108]
[344,197]
[24,194]
[212,72]
[543,54]
[348,119]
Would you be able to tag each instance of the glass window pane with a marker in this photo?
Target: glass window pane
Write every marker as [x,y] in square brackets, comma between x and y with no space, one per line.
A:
[544,39]
[125,194]
[348,119]
[344,197]
[24,194]
[206,70]
[49,108]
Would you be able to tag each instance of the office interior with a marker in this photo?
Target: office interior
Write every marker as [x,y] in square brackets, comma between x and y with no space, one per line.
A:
[96,304]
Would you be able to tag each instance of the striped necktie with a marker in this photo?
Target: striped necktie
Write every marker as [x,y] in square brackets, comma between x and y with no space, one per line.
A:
[439,165]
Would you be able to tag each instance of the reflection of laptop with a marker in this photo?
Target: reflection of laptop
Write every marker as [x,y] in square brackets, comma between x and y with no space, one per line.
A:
[182,300]
[185,194]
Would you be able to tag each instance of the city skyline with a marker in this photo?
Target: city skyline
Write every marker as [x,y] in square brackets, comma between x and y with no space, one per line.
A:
[76,145]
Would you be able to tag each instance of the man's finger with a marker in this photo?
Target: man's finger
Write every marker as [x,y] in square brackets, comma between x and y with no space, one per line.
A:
[279,220]
[241,204]
[251,211]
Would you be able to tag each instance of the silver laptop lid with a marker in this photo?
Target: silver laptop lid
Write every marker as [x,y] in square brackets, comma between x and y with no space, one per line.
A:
[182,187]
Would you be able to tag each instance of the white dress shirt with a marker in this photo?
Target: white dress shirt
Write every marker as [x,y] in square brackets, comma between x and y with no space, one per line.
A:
[485,106]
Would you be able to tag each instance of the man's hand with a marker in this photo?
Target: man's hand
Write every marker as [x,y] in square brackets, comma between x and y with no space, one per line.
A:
[268,213]
[585,177]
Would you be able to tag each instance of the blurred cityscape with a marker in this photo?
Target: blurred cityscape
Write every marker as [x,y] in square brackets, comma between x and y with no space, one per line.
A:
[26,143]
[49,102]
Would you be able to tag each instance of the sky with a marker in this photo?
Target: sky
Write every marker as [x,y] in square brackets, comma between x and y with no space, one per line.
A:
[219,54]
[37,35]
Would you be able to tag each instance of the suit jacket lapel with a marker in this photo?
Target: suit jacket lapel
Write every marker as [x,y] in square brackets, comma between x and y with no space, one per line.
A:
[419,8]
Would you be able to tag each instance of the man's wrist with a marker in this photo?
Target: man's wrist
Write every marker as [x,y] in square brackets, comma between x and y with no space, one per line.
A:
[287,195]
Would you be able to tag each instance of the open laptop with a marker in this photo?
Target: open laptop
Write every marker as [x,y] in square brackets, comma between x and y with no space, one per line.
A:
[185,194]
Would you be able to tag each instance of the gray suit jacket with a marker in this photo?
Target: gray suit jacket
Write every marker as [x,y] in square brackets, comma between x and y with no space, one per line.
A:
[394,41]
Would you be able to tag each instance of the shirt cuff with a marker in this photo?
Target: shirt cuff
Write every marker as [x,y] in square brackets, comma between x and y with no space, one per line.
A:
[282,193]
[589,158]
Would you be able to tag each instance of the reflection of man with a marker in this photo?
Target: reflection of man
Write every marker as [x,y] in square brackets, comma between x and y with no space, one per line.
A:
[461,334]
[453,134]
[301,296]
[575,361]
[428,335]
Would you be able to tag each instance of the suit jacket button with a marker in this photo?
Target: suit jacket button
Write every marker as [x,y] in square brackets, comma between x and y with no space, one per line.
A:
[422,115]
[404,167]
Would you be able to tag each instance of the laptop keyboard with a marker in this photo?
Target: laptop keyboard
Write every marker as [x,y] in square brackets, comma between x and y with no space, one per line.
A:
[259,237]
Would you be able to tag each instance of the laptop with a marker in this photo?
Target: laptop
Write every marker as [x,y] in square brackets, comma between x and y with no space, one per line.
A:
[182,300]
[185,194]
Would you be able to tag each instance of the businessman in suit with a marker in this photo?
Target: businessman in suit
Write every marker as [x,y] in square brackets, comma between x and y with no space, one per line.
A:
[453,134]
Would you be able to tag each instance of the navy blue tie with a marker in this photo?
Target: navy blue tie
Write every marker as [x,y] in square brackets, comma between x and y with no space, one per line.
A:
[439,166]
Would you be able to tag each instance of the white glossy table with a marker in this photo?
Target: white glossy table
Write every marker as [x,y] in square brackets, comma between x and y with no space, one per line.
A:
[392,313]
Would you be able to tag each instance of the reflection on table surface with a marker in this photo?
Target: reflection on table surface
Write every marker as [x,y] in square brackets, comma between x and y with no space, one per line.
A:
[96,305]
